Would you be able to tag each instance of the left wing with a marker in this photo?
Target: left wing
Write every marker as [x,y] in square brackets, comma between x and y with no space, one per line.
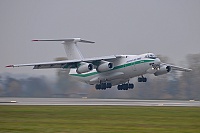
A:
[178,68]
[66,63]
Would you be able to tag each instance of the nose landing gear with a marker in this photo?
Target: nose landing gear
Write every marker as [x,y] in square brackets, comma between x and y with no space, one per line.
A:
[142,79]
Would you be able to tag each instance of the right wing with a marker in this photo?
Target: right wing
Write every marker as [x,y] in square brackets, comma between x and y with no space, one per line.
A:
[178,68]
[66,63]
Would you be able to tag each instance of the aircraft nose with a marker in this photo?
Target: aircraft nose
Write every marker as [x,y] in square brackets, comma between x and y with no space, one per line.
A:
[157,61]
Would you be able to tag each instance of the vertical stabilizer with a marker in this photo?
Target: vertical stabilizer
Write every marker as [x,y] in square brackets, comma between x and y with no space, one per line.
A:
[72,50]
[71,47]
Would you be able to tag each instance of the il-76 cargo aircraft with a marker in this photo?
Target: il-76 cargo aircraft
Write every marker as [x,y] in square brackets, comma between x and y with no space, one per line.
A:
[105,72]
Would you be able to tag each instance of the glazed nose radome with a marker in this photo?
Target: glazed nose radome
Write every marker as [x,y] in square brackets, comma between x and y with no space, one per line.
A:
[157,61]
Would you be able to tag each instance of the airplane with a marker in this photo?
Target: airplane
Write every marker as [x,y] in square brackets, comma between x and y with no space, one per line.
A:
[107,71]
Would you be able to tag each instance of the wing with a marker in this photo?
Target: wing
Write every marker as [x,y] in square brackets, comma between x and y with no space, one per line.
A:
[66,63]
[178,68]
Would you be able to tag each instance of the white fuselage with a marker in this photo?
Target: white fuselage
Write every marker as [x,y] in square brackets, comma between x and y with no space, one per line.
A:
[125,67]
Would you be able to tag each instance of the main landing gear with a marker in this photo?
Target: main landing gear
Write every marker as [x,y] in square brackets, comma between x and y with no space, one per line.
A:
[103,86]
[125,86]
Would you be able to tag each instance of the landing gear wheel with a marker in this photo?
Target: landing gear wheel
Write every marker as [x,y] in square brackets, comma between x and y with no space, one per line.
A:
[108,85]
[103,86]
[125,86]
[139,79]
[142,79]
[130,86]
[98,86]
[119,87]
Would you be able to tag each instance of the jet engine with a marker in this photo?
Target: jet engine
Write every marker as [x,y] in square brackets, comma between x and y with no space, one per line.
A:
[163,70]
[84,67]
[105,66]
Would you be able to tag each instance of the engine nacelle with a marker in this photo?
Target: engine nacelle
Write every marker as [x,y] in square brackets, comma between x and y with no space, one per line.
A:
[105,66]
[163,70]
[84,67]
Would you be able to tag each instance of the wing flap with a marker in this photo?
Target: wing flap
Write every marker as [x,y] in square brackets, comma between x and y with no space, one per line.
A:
[49,66]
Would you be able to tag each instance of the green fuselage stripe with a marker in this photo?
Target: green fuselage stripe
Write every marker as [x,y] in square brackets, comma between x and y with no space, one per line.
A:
[115,68]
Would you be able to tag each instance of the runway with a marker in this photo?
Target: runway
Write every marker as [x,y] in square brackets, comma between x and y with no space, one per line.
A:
[93,102]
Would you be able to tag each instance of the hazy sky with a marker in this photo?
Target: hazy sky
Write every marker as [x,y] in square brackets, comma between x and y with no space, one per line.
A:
[170,28]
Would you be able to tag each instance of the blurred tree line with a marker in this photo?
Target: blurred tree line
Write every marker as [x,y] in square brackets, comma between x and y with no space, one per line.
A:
[174,85]
[29,87]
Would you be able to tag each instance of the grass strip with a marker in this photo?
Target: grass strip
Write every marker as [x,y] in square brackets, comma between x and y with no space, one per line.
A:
[98,119]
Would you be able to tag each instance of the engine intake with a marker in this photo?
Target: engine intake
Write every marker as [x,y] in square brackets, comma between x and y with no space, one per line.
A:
[84,67]
[163,70]
[105,66]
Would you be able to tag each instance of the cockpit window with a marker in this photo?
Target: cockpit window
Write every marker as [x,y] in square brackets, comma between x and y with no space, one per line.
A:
[151,56]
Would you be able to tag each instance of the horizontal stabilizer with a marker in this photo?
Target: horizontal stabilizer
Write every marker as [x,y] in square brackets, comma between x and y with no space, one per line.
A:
[10,66]
[75,40]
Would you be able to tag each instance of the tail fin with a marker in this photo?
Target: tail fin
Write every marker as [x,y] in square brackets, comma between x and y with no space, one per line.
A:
[71,47]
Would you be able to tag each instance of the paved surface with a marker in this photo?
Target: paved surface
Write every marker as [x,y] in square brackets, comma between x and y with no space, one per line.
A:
[85,101]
